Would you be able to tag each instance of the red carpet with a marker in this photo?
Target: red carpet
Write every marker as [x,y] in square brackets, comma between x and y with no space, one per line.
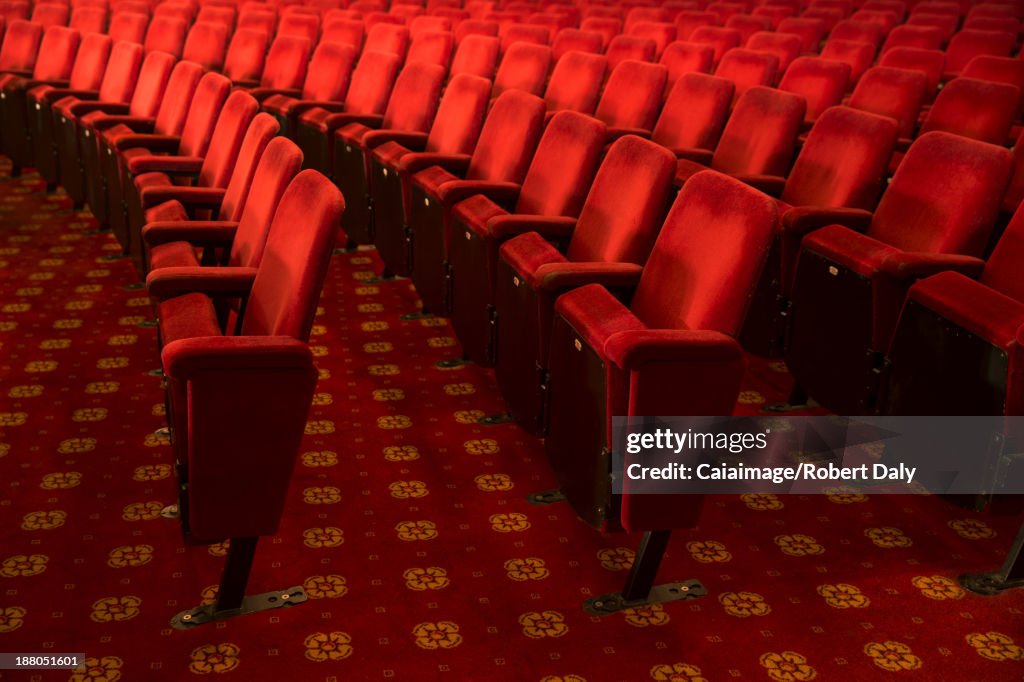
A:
[407,522]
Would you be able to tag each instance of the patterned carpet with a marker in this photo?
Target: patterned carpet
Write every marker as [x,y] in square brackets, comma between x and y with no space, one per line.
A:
[407,522]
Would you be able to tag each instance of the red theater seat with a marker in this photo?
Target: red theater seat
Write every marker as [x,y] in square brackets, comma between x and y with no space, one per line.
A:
[748,68]
[607,244]
[20,47]
[575,40]
[575,83]
[410,112]
[929,62]
[694,115]
[524,67]
[130,26]
[477,56]
[284,67]
[453,134]
[821,82]
[980,110]
[206,45]
[968,44]
[243,63]
[203,111]
[936,215]
[327,81]
[810,31]
[896,93]
[165,34]
[89,19]
[785,46]
[431,47]
[856,54]
[681,58]
[496,168]
[671,351]
[554,190]
[632,97]
[859,31]
[971,329]
[623,48]
[721,39]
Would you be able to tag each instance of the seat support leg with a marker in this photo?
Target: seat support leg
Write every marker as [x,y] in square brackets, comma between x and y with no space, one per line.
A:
[640,590]
[231,599]
[1009,577]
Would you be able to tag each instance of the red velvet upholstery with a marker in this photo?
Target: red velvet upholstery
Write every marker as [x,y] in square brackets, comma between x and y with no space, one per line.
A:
[671,352]
[149,184]
[625,48]
[127,25]
[524,67]
[575,40]
[498,164]
[367,98]
[935,215]
[349,32]
[748,25]
[689,21]
[328,81]
[411,109]
[883,19]
[929,62]
[48,15]
[632,97]
[246,53]
[300,26]
[285,65]
[56,59]
[949,307]
[896,93]
[233,399]
[102,167]
[827,15]
[856,54]
[431,47]
[860,31]
[841,166]
[264,170]
[472,27]
[774,13]
[1015,193]
[608,27]
[821,82]
[513,33]
[20,47]
[748,68]
[477,56]
[947,23]
[759,138]
[86,76]
[452,137]
[206,44]
[165,34]
[661,33]
[785,46]
[681,58]
[810,31]
[555,186]
[968,44]
[694,115]
[981,110]
[721,39]
[921,37]
[607,244]
[998,70]
[576,82]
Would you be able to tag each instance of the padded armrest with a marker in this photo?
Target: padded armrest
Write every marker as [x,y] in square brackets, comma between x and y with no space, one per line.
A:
[553,277]
[164,283]
[632,348]
[550,227]
[84,95]
[160,143]
[971,305]
[413,141]
[612,133]
[907,264]
[772,185]
[180,165]
[417,161]
[80,109]
[335,121]
[504,193]
[194,231]
[701,156]
[196,197]
[295,107]
[183,358]
[137,123]
[803,219]
[260,94]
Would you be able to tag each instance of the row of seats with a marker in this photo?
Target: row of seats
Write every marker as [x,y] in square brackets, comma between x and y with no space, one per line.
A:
[613,259]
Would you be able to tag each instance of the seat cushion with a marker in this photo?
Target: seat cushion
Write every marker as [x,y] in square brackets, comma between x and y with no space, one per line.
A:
[172,255]
[187,317]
